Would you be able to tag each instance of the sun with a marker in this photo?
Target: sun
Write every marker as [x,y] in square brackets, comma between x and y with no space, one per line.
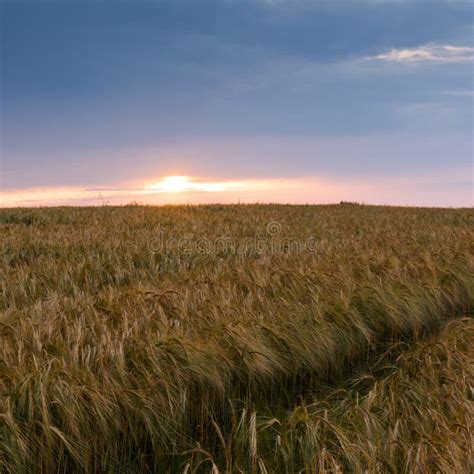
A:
[176,184]
[172,184]
[185,184]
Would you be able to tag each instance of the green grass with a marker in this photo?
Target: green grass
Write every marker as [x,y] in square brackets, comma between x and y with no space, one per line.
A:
[116,357]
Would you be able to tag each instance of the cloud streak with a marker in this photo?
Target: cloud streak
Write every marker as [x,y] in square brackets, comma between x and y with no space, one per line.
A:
[466,93]
[429,53]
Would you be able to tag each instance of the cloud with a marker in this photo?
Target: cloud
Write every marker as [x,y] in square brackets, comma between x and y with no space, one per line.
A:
[429,53]
[461,93]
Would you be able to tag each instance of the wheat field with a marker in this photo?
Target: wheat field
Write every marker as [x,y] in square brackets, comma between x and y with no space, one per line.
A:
[236,338]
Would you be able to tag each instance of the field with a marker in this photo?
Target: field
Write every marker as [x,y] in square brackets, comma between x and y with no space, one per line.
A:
[246,338]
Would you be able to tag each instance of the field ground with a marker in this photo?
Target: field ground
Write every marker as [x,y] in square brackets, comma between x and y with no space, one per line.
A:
[246,338]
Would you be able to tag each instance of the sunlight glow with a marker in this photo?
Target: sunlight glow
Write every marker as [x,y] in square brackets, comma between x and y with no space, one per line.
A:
[177,184]
[172,184]
[203,190]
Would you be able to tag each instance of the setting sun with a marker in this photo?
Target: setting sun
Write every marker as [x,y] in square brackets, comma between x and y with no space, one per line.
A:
[177,184]
[172,184]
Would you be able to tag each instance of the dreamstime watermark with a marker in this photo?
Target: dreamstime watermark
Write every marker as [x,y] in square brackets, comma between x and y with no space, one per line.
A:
[271,242]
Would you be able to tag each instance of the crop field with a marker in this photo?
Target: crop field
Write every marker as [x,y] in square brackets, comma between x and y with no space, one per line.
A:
[236,338]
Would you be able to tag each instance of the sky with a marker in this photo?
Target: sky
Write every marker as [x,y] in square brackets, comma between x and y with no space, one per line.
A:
[197,101]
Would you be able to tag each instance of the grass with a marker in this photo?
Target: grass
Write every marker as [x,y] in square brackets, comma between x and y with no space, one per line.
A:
[119,356]
[411,411]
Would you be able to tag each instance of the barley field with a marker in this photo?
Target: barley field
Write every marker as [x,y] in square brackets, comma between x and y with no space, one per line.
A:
[236,338]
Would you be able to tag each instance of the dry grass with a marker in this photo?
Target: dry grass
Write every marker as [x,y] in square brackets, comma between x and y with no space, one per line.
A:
[116,358]
[412,411]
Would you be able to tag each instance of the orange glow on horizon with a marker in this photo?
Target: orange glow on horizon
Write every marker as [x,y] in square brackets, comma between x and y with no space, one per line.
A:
[173,189]
[179,189]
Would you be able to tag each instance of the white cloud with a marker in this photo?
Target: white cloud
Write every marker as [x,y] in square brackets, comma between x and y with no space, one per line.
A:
[461,93]
[431,53]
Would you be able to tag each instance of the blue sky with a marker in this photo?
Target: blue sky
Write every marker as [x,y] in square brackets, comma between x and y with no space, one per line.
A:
[372,98]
